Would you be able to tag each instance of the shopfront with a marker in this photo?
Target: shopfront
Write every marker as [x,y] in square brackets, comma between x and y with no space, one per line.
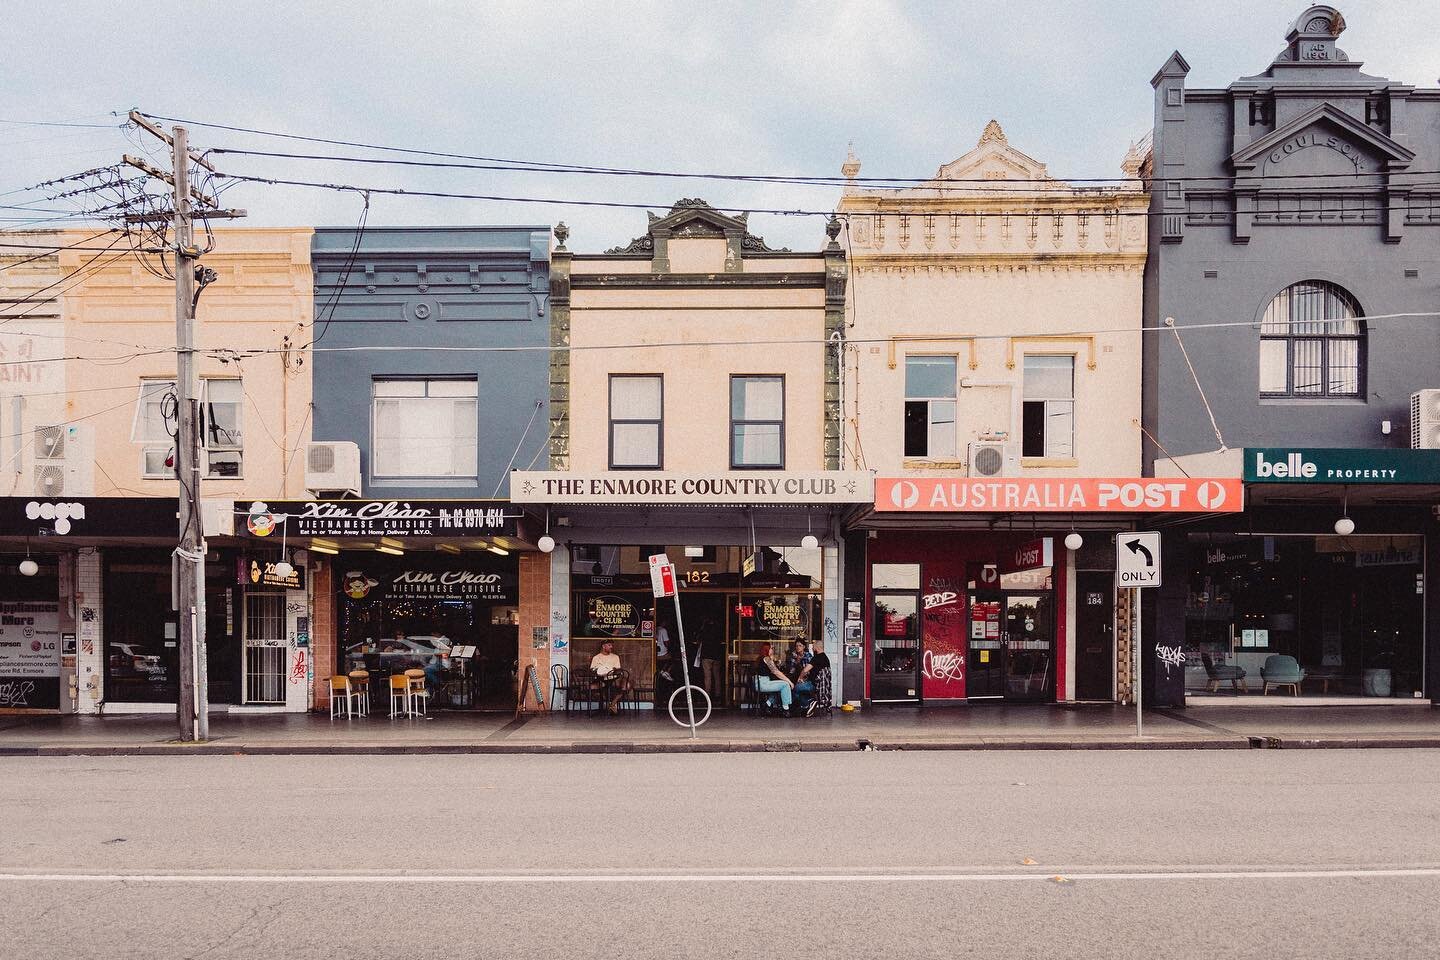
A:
[1002,589]
[757,558]
[31,644]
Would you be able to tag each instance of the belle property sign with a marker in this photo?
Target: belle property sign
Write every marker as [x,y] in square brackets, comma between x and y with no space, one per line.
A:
[1340,465]
[644,487]
[1059,495]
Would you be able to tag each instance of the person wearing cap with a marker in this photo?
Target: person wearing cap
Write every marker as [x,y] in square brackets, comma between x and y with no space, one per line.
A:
[606,666]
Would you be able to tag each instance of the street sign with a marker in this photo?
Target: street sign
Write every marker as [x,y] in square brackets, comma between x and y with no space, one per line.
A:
[1137,559]
[662,576]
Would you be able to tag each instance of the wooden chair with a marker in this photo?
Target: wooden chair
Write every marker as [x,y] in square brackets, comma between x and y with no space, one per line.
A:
[419,693]
[399,694]
[343,698]
[360,681]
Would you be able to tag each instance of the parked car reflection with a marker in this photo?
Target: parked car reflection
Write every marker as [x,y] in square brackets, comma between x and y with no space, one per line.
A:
[400,653]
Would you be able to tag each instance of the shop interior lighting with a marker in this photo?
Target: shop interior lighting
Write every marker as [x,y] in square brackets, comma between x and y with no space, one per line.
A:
[393,551]
[283,569]
[809,541]
[324,546]
[317,548]
[694,552]
[447,548]
[547,542]
[28,567]
[1345,526]
[498,551]
[392,543]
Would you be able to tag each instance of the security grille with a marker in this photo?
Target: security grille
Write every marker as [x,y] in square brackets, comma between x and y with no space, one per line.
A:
[265,648]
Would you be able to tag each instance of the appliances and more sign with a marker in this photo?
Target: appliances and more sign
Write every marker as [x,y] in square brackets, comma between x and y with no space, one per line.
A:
[1340,465]
[379,518]
[1058,495]
[738,487]
[29,655]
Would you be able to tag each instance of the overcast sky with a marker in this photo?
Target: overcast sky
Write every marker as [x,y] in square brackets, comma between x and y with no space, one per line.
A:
[764,87]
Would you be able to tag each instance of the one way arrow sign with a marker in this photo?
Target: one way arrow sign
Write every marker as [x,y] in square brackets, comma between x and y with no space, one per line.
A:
[1137,559]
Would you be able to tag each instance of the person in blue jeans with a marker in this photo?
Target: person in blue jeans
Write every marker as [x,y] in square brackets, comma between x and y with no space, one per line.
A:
[798,668]
[771,681]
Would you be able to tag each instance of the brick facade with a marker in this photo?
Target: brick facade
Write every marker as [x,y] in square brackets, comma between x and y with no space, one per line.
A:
[322,631]
[534,612]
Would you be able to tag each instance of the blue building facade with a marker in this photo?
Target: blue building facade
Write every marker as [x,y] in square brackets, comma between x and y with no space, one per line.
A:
[458,392]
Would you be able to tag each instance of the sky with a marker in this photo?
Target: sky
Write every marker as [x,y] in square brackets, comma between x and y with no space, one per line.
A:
[717,87]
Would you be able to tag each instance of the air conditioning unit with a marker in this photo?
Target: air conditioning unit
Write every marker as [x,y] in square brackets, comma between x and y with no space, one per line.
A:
[61,461]
[1425,420]
[332,467]
[994,458]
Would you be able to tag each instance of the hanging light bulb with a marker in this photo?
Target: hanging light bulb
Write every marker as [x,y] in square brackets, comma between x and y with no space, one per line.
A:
[809,541]
[1073,541]
[28,567]
[1344,526]
[283,569]
[546,543]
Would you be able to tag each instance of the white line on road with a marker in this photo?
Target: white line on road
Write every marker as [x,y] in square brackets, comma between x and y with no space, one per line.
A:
[564,878]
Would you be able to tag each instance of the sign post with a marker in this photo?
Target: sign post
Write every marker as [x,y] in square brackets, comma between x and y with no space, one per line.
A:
[662,584]
[1137,567]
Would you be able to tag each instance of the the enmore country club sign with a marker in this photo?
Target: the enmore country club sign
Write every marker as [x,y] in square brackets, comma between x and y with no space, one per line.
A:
[1059,495]
[641,487]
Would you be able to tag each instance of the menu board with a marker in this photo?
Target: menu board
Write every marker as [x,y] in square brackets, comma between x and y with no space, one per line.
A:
[30,654]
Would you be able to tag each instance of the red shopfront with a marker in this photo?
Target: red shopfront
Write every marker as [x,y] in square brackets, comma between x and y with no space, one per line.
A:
[965,615]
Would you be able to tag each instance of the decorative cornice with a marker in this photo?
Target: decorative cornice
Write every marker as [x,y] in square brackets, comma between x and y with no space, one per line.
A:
[670,281]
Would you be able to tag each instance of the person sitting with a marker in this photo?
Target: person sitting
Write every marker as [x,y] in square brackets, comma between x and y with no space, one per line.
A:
[799,669]
[821,703]
[772,681]
[606,667]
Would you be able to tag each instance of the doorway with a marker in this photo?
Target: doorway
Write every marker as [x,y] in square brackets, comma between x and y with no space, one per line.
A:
[1094,636]
[1012,647]
[266,649]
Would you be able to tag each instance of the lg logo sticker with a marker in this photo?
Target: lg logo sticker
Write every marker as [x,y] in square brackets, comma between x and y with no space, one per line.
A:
[905,494]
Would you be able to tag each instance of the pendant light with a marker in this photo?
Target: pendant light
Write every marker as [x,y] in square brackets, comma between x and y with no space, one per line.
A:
[28,567]
[283,569]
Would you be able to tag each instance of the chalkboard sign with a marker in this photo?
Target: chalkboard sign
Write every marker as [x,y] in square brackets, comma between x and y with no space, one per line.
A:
[529,682]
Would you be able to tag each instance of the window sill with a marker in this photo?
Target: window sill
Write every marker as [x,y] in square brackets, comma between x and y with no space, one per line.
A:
[457,482]
[1057,462]
[924,464]
[1312,401]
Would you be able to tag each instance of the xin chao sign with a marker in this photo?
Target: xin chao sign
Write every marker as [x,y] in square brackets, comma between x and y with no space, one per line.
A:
[1059,495]
[1137,559]
[380,518]
[1340,465]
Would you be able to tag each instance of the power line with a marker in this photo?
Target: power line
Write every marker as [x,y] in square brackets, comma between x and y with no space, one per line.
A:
[1035,206]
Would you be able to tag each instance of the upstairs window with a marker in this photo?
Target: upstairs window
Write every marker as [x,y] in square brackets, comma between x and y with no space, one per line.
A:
[424,429]
[222,440]
[1312,343]
[757,422]
[930,407]
[637,414]
[1048,414]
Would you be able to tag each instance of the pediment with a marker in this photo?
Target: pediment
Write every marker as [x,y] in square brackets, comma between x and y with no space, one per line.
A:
[1320,141]
[691,218]
[993,159]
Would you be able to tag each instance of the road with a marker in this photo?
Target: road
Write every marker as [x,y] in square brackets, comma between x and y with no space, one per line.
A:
[1017,854]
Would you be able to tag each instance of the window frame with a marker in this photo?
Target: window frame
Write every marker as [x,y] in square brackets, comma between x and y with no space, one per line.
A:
[402,479]
[734,422]
[1290,338]
[659,423]
[1047,453]
[167,448]
[953,400]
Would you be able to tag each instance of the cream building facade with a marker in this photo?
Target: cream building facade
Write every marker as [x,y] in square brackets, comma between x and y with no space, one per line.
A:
[993,333]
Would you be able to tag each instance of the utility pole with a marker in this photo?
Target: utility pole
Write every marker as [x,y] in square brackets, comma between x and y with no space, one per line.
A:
[192,705]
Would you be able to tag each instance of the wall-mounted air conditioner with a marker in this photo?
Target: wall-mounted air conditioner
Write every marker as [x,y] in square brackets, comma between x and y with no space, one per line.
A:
[61,461]
[332,467]
[994,458]
[1425,420]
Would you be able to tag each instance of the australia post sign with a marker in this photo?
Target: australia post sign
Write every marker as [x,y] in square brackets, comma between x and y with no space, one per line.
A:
[1058,495]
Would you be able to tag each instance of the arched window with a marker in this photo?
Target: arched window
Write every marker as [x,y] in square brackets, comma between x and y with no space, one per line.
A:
[1312,343]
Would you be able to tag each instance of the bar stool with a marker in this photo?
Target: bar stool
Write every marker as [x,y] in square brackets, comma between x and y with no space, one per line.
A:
[360,681]
[342,697]
[399,692]
[418,692]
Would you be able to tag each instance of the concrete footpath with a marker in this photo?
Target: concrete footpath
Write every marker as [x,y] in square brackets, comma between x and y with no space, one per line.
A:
[1207,725]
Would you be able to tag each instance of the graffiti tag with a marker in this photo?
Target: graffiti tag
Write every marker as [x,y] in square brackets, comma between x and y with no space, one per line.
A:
[943,666]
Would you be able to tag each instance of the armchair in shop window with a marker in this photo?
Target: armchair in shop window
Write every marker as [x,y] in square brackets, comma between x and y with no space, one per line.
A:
[1281,671]
[1218,673]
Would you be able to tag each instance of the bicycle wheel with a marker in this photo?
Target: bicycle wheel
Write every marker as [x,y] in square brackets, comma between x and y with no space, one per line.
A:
[700,697]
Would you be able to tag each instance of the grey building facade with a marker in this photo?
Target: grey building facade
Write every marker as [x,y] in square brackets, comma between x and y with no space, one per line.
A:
[1292,282]
[462,317]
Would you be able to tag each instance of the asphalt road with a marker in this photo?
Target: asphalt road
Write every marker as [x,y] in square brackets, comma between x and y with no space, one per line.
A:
[1029,854]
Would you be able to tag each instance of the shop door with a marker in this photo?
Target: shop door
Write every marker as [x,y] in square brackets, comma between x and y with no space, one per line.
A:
[265,648]
[985,665]
[1094,636]
[895,671]
[1029,647]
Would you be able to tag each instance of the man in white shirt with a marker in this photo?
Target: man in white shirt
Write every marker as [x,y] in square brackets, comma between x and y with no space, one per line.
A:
[606,666]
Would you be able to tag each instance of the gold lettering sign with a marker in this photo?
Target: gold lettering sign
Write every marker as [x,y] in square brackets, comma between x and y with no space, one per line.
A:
[612,616]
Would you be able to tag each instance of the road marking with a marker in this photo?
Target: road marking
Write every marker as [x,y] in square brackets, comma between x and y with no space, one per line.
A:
[600,878]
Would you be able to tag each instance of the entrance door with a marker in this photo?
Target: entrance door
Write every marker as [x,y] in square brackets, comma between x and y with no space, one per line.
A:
[1094,636]
[895,675]
[265,648]
[1029,646]
[985,674]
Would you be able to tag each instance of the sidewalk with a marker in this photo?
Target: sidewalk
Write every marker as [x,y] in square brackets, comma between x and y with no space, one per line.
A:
[1226,726]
